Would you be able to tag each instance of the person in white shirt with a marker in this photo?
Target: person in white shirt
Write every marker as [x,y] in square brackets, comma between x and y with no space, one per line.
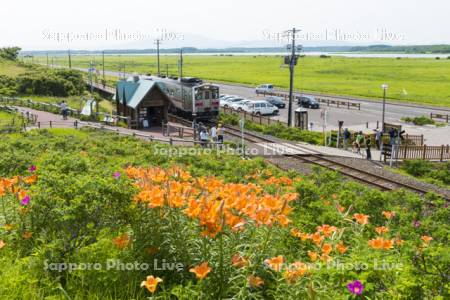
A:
[213,132]
[204,138]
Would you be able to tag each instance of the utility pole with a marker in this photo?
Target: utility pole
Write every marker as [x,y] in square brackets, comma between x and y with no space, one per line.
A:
[103,64]
[167,70]
[70,61]
[158,42]
[292,63]
[180,64]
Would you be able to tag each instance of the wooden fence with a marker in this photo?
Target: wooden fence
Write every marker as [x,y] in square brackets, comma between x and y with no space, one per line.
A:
[328,100]
[424,152]
[440,117]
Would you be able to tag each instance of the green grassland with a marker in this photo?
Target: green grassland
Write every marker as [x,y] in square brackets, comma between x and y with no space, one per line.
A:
[11,68]
[416,80]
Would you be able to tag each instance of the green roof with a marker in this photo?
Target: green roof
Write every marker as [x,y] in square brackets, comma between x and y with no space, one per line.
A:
[133,92]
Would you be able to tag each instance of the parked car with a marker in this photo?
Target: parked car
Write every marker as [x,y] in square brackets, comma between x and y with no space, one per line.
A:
[308,102]
[264,88]
[260,107]
[225,99]
[239,105]
[227,103]
[277,101]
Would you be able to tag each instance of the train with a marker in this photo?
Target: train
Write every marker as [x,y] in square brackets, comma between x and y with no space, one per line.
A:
[191,98]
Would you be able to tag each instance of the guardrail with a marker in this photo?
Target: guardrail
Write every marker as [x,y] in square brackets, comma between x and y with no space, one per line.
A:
[441,117]
[19,121]
[328,100]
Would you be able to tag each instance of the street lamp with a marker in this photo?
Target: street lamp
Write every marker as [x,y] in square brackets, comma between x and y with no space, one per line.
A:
[384,86]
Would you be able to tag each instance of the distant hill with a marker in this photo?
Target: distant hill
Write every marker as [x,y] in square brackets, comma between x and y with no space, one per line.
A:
[373,48]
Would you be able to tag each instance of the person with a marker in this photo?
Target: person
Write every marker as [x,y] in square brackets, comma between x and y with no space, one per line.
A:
[378,138]
[347,136]
[392,134]
[368,144]
[359,141]
[220,133]
[64,109]
[213,133]
[204,138]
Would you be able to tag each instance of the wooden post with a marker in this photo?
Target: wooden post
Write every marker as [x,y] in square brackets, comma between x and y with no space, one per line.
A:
[51,124]
[406,151]
[171,141]
[442,153]
[75,124]
[348,104]
[424,152]
[421,140]
[39,125]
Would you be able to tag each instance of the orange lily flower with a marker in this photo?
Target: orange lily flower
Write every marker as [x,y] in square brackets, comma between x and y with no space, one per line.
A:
[341,248]
[361,218]
[382,229]
[327,248]
[239,261]
[27,234]
[201,270]
[312,255]
[426,239]
[326,229]
[151,283]
[275,263]
[255,281]
[376,243]
[122,241]
[388,214]
[388,244]
[2,244]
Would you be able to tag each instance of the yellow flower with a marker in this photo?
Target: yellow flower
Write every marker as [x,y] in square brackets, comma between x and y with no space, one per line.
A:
[151,283]
[2,244]
[201,270]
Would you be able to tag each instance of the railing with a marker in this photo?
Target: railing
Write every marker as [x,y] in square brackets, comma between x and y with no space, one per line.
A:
[48,107]
[440,117]
[328,100]
[19,121]
[424,152]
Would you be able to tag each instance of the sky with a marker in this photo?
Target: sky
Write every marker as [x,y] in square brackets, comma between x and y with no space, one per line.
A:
[96,25]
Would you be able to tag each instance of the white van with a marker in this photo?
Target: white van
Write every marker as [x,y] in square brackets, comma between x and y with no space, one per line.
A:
[264,88]
[260,108]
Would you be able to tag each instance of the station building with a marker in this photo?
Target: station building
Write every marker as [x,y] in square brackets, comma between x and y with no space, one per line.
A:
[142,102]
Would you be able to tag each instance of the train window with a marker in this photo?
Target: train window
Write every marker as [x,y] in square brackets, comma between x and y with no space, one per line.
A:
[206,94]
[198,95]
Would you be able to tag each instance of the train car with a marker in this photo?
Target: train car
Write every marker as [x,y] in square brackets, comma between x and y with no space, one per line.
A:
[190,96]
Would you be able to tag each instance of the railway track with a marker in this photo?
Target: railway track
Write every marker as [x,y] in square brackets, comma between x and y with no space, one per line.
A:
[316,158]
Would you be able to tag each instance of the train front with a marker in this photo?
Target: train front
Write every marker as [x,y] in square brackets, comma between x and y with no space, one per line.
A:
[206,99]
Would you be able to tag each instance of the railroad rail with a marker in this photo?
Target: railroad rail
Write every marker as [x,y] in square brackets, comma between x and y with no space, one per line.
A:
[316,158]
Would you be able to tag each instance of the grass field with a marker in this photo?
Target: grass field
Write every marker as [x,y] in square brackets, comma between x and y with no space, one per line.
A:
[10,68]
[409,79]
